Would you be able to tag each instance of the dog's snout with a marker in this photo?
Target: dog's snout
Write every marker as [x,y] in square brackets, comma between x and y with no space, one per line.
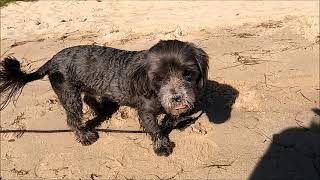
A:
[176,98]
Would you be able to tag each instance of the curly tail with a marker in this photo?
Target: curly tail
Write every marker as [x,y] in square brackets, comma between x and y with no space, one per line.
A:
[13,79]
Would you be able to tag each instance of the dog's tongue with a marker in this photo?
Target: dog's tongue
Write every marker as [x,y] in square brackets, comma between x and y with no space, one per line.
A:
[180,106]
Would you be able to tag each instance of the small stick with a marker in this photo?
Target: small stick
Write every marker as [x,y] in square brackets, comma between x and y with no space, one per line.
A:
[220,165]
[304,95]
[265,79]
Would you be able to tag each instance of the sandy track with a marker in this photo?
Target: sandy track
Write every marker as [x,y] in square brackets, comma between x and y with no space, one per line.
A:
[265,56]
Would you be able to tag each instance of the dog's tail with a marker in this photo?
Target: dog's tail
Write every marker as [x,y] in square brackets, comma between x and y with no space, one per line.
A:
[13,79]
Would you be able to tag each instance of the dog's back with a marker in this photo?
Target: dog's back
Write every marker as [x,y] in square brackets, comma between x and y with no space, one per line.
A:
[93,69]
[96,70]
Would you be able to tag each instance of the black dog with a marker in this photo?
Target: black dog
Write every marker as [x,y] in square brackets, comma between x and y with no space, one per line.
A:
[167,78]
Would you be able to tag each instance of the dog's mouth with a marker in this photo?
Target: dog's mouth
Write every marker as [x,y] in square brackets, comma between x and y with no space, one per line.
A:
[181,106]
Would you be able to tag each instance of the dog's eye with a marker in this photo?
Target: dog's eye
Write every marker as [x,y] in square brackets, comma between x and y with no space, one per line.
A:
[158,78]
[187,75]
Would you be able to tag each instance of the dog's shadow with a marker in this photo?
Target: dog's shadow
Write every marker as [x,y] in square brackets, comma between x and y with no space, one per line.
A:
[216,102]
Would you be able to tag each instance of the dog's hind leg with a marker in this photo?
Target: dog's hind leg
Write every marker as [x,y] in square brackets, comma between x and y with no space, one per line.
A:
[70,98]
[103,108]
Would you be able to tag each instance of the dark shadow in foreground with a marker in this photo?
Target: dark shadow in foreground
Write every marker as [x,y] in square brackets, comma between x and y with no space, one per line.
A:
[293,154]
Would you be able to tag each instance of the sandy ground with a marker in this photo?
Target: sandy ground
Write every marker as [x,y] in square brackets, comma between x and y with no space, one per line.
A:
[261,119]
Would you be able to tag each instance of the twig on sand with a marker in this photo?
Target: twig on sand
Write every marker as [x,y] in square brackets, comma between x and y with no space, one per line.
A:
[172,177]
[249,60]
[25,42]
[244,60]
[265,79]
[299,123]
[220,165]
[276,99]
[19,172]
[5,52]
[299,91]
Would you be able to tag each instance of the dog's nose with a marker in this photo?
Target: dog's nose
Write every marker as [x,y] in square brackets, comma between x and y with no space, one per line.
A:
[176,98]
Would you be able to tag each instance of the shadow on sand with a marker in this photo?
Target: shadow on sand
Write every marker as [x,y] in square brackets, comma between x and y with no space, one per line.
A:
[293,154]
[216,102]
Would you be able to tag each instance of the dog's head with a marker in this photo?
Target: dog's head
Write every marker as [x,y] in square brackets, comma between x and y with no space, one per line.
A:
[175,71]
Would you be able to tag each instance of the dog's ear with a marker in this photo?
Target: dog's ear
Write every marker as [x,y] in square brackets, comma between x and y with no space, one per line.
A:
[202,59]
[139,79]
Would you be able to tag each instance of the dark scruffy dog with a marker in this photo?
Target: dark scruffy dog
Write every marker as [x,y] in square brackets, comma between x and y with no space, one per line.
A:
[165,79]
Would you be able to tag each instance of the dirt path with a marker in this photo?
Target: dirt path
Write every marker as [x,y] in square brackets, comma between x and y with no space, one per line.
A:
[262,118]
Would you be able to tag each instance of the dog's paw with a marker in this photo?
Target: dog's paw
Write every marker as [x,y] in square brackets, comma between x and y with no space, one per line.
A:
[163,146]
[87,137]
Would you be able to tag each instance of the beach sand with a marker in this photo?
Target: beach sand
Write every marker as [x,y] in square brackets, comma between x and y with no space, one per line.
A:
[264,56]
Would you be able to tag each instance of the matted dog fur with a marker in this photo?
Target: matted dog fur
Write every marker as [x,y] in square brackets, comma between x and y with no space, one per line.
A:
[165,79]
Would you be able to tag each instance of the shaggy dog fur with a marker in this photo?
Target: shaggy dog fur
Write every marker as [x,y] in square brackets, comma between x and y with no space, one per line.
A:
[165,79]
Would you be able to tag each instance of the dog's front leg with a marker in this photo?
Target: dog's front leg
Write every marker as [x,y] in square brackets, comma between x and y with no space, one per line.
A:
[167,124]
[161,143]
